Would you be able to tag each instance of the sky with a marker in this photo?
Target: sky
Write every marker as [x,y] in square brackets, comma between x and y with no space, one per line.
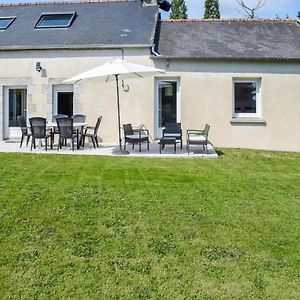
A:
[228,8]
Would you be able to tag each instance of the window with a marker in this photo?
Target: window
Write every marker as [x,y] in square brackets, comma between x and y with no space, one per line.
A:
[246,98]
[55,20]
[5,22]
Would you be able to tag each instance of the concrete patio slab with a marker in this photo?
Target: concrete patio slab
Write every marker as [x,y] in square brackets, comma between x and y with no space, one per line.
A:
[107,149]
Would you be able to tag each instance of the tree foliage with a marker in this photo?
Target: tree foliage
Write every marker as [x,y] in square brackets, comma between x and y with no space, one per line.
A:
[178,10]
[212,9]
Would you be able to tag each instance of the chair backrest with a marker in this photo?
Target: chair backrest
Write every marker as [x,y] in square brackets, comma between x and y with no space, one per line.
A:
[38,127]
[79,118]
[206,130]
[55,117]
[65,127]
[22,123]
[128,129]
[97,125]
[172,128]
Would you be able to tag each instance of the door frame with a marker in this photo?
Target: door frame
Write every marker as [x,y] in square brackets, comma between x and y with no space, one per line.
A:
[11,132]
[57,88]
[157,80]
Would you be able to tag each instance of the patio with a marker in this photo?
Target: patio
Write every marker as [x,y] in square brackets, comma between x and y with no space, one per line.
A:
[107,149]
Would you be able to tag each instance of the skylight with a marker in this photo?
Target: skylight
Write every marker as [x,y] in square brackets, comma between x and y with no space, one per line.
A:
[5,22]
[55,20]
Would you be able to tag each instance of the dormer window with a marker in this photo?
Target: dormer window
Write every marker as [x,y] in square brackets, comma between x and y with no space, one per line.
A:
[5,22]
[55,20]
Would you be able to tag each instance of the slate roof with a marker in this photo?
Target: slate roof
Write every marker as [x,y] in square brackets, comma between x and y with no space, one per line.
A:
[230,39]
[98,24]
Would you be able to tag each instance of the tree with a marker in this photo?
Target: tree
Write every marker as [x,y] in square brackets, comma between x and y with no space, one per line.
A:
[251,12]
[212,9]
[179,10]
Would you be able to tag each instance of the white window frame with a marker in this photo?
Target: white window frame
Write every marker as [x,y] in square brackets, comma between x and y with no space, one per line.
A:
[57,89]
[157,81]
[257,82]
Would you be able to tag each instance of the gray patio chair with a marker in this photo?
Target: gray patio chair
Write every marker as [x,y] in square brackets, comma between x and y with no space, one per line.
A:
[173,130]
[25,130]
[66,131]
[135,136]
[79,118]
[39,131]
[197,137]
[92,133]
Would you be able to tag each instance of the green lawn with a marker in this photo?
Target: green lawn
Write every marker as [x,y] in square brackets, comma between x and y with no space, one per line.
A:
[83,227]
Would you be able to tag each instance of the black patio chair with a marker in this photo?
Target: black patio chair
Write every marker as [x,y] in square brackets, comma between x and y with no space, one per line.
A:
[39,131]
[25,130]
[197,137]
[55,129]
[173,130]
[91,132]
[135,136]
[79,118]
[66,131]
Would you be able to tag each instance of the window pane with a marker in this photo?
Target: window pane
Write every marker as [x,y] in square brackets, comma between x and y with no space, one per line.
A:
[245,97]
[4,22]
[55,20]
[65,103]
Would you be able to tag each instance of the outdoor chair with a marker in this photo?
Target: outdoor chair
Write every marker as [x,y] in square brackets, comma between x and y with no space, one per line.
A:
[39,132]
[173,130]
[79,118]
[197,137]
[66,131]
[135,136]
[55,129]
[25,130]
[91,132]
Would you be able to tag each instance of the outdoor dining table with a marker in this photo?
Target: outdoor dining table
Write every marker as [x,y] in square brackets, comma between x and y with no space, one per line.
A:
[79,126]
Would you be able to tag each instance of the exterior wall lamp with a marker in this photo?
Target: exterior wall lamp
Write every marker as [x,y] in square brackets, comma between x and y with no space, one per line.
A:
[38,66]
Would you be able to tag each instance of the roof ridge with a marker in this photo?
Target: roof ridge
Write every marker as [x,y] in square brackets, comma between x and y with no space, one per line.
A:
[229,20]
[60,2]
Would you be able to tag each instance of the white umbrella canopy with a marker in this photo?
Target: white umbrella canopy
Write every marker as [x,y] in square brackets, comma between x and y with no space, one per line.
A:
[117,69]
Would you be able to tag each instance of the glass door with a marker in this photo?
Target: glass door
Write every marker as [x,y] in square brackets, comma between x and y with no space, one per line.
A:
[15,105]
[63,100]
[167,104]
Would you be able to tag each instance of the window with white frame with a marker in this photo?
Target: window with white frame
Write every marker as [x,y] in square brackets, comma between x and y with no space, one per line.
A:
[246,98]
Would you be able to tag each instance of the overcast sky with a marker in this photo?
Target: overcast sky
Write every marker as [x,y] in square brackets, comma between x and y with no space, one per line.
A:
[228,8]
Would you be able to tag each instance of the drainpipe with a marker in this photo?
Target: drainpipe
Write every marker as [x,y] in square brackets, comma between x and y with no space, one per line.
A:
[154,52]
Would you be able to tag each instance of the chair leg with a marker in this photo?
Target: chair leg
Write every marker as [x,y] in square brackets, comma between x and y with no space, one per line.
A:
[83,140]
[46,143]
[93,140]
[72,140]
[181,143]
[96,139]
[124,146]
[28,138]
[58,144]
[140,146]
[32,140]
[148,145]
[21,140]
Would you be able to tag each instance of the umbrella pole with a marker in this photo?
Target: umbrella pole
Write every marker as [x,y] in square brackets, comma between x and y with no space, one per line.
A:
[119,151]
[119,119]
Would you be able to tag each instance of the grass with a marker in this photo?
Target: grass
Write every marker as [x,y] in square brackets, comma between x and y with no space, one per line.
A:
[79,227]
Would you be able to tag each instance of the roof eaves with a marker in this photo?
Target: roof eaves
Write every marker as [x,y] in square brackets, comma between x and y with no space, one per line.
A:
[200,58]
[72,47]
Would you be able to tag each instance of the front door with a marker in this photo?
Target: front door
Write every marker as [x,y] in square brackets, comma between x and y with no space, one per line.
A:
[167,104]
[15,104]
[63,100]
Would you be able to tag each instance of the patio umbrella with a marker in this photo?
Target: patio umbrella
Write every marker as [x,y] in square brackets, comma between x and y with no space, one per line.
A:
[116,70]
